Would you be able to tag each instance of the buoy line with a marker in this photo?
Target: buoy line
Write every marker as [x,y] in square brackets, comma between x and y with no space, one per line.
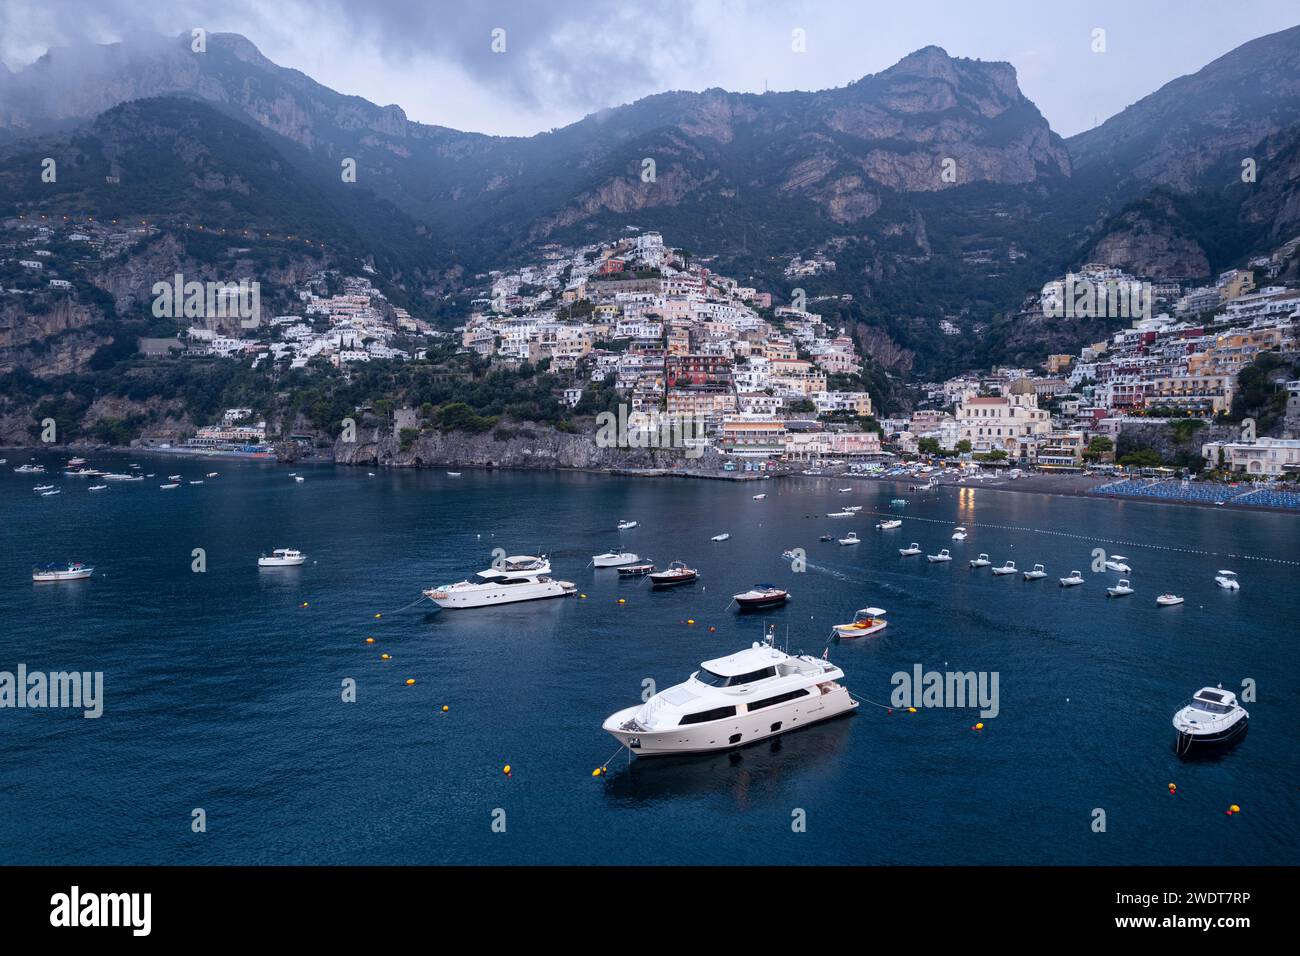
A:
[868,700]
[605,765]
[1085,537]
[422,597]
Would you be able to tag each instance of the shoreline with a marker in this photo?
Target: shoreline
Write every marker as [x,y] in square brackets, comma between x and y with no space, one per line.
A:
[1066,486]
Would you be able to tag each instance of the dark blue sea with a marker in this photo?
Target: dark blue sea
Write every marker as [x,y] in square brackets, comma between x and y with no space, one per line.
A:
[222,689]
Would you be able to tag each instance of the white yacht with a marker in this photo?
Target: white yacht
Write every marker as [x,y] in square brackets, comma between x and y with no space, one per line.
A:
[846,491]
[752,695]
[1212,719]
[613,559]
[1008,568]
[910,550]
[1118,563]
[1122,589]
[959,534]
[1074,579]
[1169,599]
[850,539]
[72,571]
[1228,581]
[720,537]
[625,525]
[868,620]
[1038,572]
[30,469]
[840,514]
[889,524]
[981,562]
[170,485]
[282,558]
[941,557]
[759,497]
[517,578]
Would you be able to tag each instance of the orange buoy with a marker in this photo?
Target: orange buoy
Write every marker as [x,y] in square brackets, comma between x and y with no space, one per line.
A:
[410,681]
[370,640]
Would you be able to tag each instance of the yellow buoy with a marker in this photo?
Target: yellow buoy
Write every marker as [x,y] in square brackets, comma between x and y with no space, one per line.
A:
[378,615]
[385,657]
[370,640]
[583,596]
[911,710]
[979,726]
[410,681]
[304,603]
[506,770]
[622,600]
[1235,808]
[690,620]
[445,708]
[596,772]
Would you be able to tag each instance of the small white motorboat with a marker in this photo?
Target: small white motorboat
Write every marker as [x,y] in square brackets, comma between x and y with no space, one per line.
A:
[1073,580]
[1008,568]
[981,562]
[614,559]
[1038,572]
[170,485]
[1228,581]
[943,555]
[298,478]
[282,558]
[50,494]
[1118,563]
[853,508]
[453,474]
[1211,720]
[199,481]
[845,491]
[850,539]
[1169,600]
[889,524]
[839,514]
[213,474]
[959,534]
[759,497]
[625,525]
[910,550]
[173,477]
[39,488]
[72,571]
[97,487]
[720,537]
[1122,589]
[869,620]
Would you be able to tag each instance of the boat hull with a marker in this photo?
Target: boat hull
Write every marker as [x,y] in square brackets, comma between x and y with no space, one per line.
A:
[1196,745]
[454,600]
[852,631]
[53,577]
[675,581]
[754,604]
[732,732]
[281,562]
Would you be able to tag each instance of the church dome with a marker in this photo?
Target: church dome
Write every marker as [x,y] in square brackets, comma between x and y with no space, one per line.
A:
[1022,386]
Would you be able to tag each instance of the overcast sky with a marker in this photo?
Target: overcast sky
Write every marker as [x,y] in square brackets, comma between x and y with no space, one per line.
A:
[566,59]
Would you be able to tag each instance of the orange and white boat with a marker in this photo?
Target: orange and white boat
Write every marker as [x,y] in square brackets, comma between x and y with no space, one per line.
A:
[869,620]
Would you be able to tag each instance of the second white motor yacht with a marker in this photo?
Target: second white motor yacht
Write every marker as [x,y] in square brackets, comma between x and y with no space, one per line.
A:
[1074,579]
[731,701]
[517,578]
[613,559]
[1228,581]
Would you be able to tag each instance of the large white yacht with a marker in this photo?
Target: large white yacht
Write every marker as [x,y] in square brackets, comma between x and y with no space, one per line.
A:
[1211,720]
[282,558]
[521,577]
[72,571]
[731,701]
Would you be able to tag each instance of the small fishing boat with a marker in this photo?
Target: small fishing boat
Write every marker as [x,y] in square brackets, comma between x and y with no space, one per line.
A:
[282,558]
[720,537]
[839,514]
[850,539]
[625,525]
[759,497]
[959,534]
[981,562]
[826,537]
[1212,720]
[72,571]
[97,487]
[51,494]
[1008,568]
[170,485]
[74,462]
[940,558]
[199,481]
[173,477]
[39,488]
[869,620]
[1121,589]
[1038,572]
[1073,580]
[853,508]
[1228,581]
[675,574]
[29,469]
[759,596]
[845,491]
[298,478]
[889,524]
[1169,600]
[910,550]
[897,502]
[635,570]
[211,474]
[612,559]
